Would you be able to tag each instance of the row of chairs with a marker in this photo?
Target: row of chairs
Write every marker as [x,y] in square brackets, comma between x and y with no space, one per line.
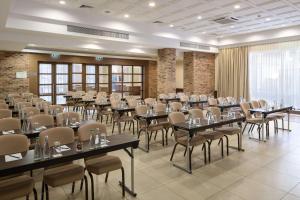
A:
[61,174]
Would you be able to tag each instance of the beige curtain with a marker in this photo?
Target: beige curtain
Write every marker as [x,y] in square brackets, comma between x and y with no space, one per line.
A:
[232,72]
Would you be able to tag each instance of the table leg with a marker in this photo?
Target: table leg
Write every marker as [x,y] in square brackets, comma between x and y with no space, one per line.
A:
[131,190]
[289,121]
[263,129]
[146,148]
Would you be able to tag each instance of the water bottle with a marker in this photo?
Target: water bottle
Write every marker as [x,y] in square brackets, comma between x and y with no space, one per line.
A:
[46,149]
[37,150]
[98,134]
[29,127]
[92,139]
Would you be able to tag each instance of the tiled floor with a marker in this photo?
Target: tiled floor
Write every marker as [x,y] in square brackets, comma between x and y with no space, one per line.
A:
[269,170]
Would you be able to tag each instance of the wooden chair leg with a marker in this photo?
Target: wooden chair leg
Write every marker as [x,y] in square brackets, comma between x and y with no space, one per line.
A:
[86,187]
[73,187]
[43,190]
[123,181]
[47,192]
[106,177]
[35,194]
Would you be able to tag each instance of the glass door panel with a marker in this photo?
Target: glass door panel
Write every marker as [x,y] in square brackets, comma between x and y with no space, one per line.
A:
[45,81]
[61,82]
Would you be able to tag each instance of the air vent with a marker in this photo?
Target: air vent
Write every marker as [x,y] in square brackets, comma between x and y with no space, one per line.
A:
[194,46]
[158,22]
[85,6]
[226,20]
[90,31]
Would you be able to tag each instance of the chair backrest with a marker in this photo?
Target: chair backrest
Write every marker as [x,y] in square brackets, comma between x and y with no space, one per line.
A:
[55,109]
[184,98]
[231,99]
[132,102]
[64,135]
[172,95]
[222,100]
[115,103]
[176,117]
[7,124]
[41,120]
[42,104]
[162,96]
[61,117]
[2,101]
[149,101]
[262,103]
[203,97]
[35,100]
[84,130]
[102,94]
[3,106]
[212,102]
[30,111]
[115,96]
[255,104]
[215,111]
[194,97]
[141,109]
[175,106]
[22,105]
[160,107]
[196,113]
[13,143]
[245,108]
[5,113]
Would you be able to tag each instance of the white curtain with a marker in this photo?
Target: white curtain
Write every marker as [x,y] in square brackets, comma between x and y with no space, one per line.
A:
[274,73]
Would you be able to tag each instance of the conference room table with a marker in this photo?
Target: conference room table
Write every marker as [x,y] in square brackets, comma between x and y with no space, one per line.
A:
[226,106]
[167,100]
[204,124]
[148,119]
[201,102]
[120,111]
[116,142]
[270,110]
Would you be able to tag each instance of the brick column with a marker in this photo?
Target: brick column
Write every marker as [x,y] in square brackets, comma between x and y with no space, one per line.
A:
[199,72]
[166,71]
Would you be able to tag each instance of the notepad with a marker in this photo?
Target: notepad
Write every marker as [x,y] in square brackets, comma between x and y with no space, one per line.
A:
[8,132]
[63,148]
[13,157]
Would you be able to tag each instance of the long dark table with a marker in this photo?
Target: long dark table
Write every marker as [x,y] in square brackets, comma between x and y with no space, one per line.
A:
[120,112]
[117,142]
[148,118]
[197,102]
[167,100]
[267,111]
[223,107]
[204,124]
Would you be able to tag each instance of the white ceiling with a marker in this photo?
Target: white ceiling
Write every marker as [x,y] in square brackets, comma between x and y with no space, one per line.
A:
[183,14]
[43,23]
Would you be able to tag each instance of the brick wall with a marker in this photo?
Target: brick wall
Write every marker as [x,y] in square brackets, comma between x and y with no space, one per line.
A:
[166,71]
[152,79]
[10,63]
[199,72]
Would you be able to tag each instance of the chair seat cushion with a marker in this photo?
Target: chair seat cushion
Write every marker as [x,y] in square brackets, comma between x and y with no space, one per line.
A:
[16,187]
[196,140]
[63,175]
[255,120]
[103,164]
[212,135]
[229,130]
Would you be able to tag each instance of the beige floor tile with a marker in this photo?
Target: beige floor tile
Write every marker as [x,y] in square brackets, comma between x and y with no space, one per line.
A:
[291,197]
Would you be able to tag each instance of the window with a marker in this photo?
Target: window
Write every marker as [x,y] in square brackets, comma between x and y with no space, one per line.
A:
[90,77]
[274,72]
[62,82]
[77,77]
[103,79]
[127,80]
[45,81]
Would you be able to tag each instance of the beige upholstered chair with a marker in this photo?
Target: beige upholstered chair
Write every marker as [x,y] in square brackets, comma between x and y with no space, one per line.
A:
[175,106]
[100,164]
[5,113]
[19,185]
[43,105]
[2,101]
[222,100]
[3,106]
[153,127]
[132,102]
[181,137]
[226,130]
[212,102]
[203,97]
[71,116]
[41,120]
[7,124]
[150,101]
[252,120]
[61,174]
[30,111]
[172,95]
[55,109]
[196,113]
[194,97]
[184,98]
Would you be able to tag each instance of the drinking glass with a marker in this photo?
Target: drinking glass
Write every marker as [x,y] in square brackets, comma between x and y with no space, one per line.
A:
[57,148]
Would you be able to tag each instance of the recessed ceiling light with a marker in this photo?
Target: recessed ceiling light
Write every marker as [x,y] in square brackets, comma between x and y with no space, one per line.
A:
[199,17]
[62,2]
[268,19]
[283,25]
[231,26]
[152,4]
[126,16]
[171,25]
[237,6]
[203,32]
